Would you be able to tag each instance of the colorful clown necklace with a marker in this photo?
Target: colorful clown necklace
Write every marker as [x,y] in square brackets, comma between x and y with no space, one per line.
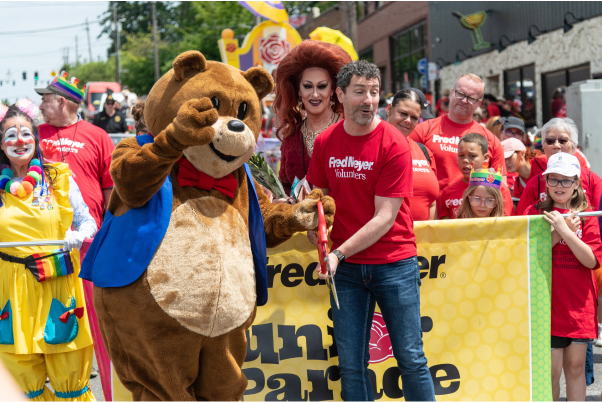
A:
[30,184]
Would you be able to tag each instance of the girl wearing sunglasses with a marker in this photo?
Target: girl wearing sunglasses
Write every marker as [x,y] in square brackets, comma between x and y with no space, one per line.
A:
[558,135]
[576,253]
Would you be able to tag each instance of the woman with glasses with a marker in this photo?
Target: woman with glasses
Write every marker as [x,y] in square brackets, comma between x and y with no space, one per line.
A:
[110,119]
[558,135]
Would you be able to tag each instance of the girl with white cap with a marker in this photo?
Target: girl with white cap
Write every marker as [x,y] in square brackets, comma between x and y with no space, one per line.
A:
[576,252]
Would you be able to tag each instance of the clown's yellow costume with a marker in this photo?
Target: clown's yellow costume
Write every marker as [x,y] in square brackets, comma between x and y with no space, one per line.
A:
[43,330]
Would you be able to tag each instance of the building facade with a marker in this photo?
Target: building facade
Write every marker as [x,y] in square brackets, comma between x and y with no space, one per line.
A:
[526,52]
[391,34]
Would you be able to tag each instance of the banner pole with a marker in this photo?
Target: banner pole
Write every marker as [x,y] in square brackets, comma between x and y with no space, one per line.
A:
[10,244]
[585,214]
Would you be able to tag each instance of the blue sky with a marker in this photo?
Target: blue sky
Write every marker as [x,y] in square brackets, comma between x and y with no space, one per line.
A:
[43,51]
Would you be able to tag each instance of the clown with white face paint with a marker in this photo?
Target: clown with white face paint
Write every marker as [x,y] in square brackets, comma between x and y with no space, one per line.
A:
[40,201]
[19,141]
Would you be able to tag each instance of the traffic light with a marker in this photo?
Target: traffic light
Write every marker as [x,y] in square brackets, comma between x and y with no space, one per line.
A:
[35,77]
[24,75]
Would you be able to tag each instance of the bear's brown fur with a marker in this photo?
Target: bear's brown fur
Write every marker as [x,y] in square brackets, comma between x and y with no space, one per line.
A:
[178,332]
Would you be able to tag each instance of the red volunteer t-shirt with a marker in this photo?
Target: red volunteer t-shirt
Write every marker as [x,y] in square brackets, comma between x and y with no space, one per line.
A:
[493,110]
[89,159]
[590,182]
[450,200]
[441,136]
[582,159]
[356,169]
[425,184]
[574,287]
[539,164]
[511,180]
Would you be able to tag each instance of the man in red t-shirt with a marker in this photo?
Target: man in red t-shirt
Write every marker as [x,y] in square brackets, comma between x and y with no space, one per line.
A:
[84,147]
[472,152]
[366,166]
[441,135]
[87,150]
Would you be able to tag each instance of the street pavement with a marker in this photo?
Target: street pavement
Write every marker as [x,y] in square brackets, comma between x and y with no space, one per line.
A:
[97,388]
[593,391]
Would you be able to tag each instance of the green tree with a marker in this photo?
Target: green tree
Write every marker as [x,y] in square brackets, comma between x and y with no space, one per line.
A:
[182,26]
[93,71]
[137,61]
[135,17]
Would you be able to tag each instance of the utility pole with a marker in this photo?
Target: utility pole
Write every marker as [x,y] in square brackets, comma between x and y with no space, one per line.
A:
[117,78]
[351,21]
[89,46]
[154,16]
[65,56]
[76,53]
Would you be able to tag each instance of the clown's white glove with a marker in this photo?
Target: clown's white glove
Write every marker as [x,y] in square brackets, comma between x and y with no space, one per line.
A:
[73,240]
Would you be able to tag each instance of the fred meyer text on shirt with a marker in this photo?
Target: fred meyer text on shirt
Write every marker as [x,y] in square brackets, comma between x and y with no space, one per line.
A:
[447,140]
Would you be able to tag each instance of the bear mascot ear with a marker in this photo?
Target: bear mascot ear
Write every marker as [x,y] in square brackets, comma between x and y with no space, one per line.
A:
[260,79]
[191,60]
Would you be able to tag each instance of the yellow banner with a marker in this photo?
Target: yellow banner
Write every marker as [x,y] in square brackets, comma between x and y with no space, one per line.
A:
[485,318]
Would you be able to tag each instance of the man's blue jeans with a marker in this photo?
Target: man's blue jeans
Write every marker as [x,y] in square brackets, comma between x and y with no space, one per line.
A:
[396,289]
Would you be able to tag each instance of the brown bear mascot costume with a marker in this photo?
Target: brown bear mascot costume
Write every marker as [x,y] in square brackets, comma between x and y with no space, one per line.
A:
[179,265]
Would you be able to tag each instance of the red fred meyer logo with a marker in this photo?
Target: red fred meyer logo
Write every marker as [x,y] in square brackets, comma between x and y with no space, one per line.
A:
[452,141]
[380,343]
[350,163]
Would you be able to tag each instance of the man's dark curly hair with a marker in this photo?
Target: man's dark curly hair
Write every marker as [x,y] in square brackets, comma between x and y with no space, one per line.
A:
[360,68]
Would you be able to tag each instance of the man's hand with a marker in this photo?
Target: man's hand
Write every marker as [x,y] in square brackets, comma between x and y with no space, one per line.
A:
[192,125]
[333,261]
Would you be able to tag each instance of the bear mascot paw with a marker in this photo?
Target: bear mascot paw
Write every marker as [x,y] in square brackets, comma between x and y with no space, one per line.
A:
[179,265]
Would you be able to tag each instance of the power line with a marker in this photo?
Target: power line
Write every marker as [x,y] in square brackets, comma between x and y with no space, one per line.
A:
[47,29]
[57,51]
[45,4]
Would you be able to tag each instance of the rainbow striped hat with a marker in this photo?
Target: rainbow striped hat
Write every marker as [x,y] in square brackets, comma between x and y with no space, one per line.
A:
[485,177]
[49,265]
[60,86]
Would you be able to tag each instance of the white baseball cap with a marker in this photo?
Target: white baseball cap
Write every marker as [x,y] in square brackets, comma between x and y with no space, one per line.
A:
[564,164]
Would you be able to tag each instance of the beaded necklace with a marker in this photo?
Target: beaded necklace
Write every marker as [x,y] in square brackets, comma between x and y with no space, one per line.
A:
[30,181]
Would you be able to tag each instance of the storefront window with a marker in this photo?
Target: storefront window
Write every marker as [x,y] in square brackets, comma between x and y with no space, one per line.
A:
[554,89]
[407,48]
[520,93]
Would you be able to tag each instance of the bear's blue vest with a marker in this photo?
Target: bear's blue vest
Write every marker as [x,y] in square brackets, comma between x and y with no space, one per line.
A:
[124,246]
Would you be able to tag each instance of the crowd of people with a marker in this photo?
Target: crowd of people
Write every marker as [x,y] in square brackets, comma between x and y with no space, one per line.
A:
[384,170]
[385,175]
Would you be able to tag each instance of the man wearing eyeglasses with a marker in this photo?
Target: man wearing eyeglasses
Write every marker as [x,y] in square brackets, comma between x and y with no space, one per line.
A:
[441,135]
[111,120]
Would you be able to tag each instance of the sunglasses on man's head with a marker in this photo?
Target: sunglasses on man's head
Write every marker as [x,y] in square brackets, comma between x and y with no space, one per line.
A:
[552,141]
